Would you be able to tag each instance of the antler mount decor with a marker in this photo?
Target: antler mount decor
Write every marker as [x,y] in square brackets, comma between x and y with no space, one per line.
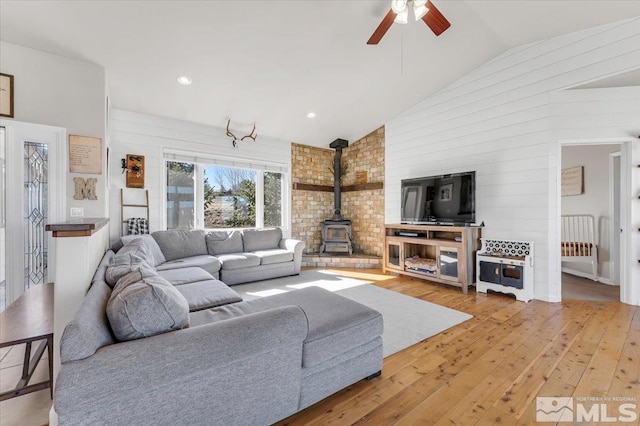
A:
[234,139]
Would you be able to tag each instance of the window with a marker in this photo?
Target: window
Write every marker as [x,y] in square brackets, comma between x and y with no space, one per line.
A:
[180,195]
[273,199]
[229,197]
[213,193]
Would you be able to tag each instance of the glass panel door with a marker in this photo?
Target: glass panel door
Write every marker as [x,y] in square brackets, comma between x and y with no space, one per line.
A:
[36,174]
[34,182]
[448,263]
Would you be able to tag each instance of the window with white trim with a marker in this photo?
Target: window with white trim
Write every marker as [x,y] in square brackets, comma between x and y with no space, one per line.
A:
[210,192]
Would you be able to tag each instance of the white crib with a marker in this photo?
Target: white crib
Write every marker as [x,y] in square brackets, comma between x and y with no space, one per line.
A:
[579,241]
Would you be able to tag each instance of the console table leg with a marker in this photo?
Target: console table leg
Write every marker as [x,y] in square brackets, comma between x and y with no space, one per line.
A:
[50,356]
[27,358]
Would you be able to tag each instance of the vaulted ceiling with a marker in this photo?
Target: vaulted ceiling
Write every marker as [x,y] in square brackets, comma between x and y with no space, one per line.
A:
[272,62]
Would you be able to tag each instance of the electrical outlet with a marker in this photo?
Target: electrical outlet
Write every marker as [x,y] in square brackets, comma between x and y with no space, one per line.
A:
[77,211]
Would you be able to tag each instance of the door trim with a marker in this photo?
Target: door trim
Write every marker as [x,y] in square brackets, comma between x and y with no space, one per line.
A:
[55,138]
[615,230]
[626,289]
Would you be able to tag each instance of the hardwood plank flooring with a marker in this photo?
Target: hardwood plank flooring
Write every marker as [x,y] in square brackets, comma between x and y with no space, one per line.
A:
[490,369]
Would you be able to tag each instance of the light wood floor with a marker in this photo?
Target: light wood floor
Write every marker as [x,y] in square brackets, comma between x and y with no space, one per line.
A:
[578,288]
[485,371]
[490,369]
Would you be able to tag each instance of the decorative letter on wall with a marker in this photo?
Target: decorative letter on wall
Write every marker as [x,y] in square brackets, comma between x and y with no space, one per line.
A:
[85,189]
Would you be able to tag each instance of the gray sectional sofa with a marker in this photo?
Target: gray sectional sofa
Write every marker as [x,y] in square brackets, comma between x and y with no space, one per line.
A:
[162,339]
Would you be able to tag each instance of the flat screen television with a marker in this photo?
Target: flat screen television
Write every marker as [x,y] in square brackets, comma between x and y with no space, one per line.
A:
[445,199]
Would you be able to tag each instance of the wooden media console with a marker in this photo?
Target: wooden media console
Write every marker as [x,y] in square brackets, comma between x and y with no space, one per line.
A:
[444,254]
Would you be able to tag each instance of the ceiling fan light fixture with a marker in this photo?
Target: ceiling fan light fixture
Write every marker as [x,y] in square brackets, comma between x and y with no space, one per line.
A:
[184,80]
[402,17]
[399,6]
[420,9]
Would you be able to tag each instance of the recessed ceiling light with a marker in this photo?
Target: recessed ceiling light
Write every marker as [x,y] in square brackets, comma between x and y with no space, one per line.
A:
[184,80]
[311,115]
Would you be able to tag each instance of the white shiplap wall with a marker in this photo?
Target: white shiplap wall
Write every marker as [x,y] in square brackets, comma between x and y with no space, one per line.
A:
[500,121]
[135,133]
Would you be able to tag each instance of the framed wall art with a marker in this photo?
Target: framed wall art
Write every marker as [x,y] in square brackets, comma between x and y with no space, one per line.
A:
[6,95]
[572,181]
[85,154]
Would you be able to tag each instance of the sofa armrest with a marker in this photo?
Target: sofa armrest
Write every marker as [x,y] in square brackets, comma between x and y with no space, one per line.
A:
[128,378]
[296,246]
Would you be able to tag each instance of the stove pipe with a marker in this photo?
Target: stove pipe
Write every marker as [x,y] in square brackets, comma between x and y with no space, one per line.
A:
[338,144]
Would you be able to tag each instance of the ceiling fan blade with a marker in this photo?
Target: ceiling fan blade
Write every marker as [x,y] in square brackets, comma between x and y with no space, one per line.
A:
[382,28]
[435,20]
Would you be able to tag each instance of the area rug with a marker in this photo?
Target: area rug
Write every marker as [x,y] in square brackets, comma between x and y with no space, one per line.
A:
[407,320]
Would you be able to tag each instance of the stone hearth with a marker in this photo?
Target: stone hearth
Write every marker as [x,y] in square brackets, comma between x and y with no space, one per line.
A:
[328,260]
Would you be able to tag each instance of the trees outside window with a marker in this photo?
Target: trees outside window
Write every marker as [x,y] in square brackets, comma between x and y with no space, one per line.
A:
[232,197]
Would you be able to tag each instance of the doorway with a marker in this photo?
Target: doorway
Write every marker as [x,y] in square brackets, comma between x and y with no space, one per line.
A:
[598,203]
[3,246]
[33,177]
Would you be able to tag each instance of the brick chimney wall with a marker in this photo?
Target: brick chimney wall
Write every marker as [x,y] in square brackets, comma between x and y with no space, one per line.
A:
[312,165]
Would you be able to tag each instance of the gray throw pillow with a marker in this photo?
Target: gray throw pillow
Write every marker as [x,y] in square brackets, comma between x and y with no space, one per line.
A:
[223,242]
[144,304]
[261,239]
[148,241]
[128,263]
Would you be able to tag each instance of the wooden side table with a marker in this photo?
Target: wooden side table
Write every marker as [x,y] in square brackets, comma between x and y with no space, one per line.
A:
[27,320]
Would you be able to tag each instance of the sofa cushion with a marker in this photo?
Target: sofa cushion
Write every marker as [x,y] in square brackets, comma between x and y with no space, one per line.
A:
[144,304]
[206,262]
[184,275]
[221,242]
[151,245]
[256,273]
[238,260]
[179,243]
[274,256]
[89,330]
[261,239]
[129,258]
[207,294]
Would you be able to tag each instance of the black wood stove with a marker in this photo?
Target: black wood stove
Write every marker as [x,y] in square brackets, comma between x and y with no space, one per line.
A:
[336,232]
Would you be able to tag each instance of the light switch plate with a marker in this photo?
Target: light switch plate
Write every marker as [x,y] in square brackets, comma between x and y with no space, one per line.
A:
[77,211]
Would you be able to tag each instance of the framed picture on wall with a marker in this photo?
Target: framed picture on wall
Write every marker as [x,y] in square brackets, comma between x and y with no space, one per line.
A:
[85,154]
[445,192]
[6,95]
[572,182]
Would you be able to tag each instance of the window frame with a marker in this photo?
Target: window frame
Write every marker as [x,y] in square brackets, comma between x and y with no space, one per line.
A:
[200,161]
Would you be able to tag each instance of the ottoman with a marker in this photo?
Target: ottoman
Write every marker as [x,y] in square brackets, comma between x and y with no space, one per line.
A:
[343,343]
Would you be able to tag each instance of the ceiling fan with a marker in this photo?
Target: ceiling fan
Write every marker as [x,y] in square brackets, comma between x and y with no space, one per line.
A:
[399,13]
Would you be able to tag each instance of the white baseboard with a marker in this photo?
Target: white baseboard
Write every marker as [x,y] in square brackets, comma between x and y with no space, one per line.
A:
[53,417]
[547,298]
[581,274]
